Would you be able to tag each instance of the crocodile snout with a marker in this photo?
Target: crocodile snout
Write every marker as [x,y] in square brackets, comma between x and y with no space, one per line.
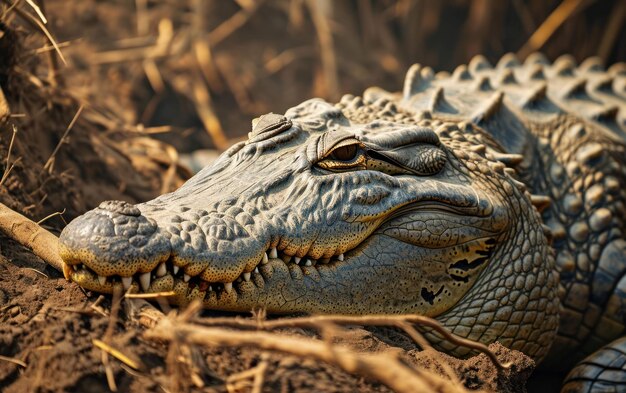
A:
[158,249]
[114,238]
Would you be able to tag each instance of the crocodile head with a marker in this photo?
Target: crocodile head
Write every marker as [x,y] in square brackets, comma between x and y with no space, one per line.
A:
[325,210]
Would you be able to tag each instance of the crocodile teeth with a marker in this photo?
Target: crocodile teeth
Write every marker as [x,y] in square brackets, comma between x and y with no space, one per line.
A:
[175,269]
[265,258]
[144,280]
[246,276]
[297,260]
[210,288]
[126,281]
[102,280]
[186,277]
[308,263]
[340,257]
[67,271]
[256,270]
[161,270]
[228,286]
[273,253]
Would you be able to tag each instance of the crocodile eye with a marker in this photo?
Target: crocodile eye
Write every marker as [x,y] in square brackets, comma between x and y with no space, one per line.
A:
[344,153]
[345,156]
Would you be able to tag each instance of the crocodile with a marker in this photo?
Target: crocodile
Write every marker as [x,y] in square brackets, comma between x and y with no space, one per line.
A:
[491,198]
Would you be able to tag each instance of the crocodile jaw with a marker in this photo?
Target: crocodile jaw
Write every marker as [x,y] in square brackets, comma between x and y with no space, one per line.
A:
[289,276]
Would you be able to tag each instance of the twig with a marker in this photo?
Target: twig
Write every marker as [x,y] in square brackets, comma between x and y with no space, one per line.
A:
[230,25]
[549,26]
[53,70]
[283,59]
[8,168]
[37,11]
[48,48]
[107,349]
[383,367]
[116,354]
[154,76]
[257,374]
[201,46]
[149,295]
[159,49]
[36,271]
[612,30]
[142,17]
[49,216]
[327,50]
[104,356]
[206,64]
[422,342]
[47,166]
[76,310]
[259,378]
[170,173]
[37,24]
[403,322]
[525,16]
[26,232]
[97,308]
[5,109]
[13,360]
[204,108]
[399,321]
[237,86]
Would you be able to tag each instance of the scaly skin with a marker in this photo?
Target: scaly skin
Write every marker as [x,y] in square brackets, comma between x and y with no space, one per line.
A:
[411,202]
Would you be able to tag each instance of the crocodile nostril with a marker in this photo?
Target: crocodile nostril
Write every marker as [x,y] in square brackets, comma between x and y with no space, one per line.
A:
[120,207]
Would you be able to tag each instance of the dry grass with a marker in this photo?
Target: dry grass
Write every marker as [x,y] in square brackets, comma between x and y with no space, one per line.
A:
[200,50]
[53,139]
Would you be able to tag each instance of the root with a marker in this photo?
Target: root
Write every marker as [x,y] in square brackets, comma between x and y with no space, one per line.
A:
[385,367]
[404,322]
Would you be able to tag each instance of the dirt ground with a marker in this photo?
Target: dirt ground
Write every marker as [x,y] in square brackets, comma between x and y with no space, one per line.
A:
[137,78]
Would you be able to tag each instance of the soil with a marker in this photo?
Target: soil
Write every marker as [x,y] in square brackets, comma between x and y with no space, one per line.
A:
[56,172]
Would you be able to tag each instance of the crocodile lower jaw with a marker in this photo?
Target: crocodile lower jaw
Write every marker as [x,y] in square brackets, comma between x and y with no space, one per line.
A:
[168,277]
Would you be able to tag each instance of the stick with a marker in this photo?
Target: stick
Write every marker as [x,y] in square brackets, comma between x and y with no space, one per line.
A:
[38,25]
[9,168]
[399,321]
[26,232]
[383,367]
[611,33]
[327,50]
[232,24]
[13,360]
[5,110]
[48,165]
[116,353]
[549,26]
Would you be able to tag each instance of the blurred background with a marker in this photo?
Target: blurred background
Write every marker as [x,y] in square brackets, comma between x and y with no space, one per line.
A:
[197,71]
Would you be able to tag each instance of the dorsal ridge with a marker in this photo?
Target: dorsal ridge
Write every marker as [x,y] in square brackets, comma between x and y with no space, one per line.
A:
[492,106]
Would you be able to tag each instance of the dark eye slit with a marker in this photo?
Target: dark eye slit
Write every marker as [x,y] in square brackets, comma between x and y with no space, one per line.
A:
[377,156]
